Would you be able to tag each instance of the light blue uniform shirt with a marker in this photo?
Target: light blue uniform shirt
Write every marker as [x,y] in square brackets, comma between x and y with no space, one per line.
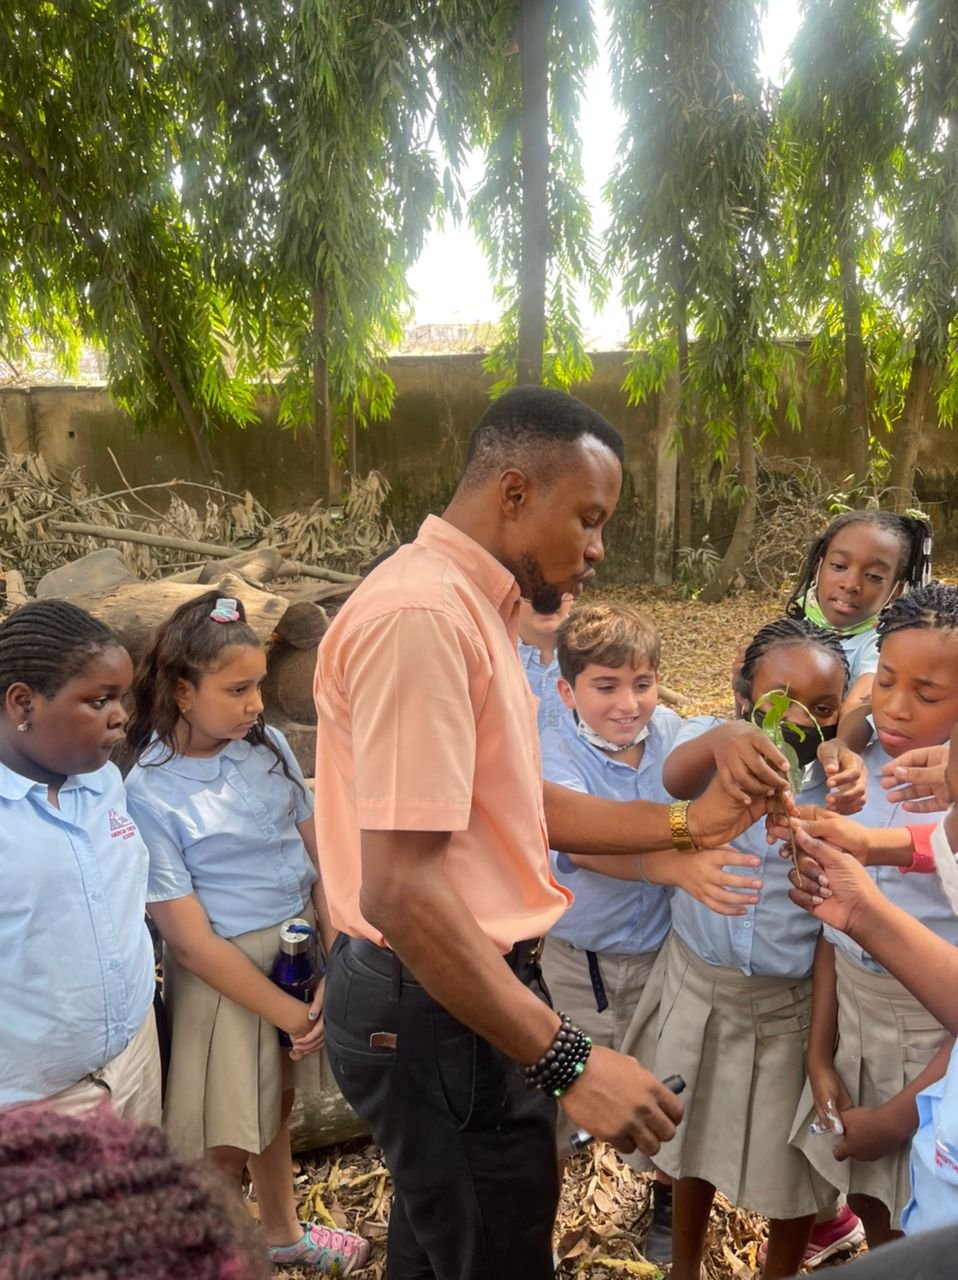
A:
[621,916]
[224,827]
[934,1156]
[774,938]
[542,682]
[918,894]
[76,961]
[862,654]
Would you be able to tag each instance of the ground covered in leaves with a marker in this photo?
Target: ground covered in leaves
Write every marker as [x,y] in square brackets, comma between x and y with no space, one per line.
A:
[604,1210]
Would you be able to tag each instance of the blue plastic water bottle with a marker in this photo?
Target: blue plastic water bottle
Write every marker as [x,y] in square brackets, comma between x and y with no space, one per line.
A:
[294,969]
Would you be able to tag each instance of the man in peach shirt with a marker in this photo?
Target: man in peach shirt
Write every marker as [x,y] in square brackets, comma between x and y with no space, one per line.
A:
[434,853]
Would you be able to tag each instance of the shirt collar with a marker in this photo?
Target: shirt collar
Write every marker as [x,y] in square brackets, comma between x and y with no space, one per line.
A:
[197,768]
[492,578]
[14,786]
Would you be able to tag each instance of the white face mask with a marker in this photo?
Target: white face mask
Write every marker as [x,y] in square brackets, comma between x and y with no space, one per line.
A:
[588,734]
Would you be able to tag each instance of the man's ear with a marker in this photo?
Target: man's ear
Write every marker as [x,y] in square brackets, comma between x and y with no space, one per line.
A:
[513,489]
[565,693]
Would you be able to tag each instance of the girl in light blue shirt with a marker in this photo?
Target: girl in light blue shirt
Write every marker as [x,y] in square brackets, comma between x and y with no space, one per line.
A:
[76,961]
[227,819]
[736,993]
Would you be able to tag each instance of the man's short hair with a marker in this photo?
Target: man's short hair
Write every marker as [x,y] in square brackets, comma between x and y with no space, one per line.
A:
[532,428]
[606,634]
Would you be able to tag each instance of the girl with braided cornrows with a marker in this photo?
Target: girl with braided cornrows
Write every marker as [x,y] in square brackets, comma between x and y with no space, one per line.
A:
[97,1198]
[856,567]
[228,823]
[872,1046]
[76,961]
[736,989]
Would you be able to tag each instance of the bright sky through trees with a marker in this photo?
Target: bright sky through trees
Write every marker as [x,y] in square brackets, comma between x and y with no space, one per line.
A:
[451,280]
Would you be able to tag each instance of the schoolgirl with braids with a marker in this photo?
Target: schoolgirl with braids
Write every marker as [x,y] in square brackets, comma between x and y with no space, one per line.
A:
[228,823]
[76,961]
[857,566]
[872,1046]
[736,989]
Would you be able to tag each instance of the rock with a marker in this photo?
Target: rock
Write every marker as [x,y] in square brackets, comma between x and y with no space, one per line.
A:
[323,1119]
[97,571]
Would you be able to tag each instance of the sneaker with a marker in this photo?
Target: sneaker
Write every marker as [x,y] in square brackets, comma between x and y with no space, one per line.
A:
[841,1233]
[658,1241]
[334,1253]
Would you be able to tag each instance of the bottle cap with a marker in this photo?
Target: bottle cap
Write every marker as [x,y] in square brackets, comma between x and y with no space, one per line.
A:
[296,936]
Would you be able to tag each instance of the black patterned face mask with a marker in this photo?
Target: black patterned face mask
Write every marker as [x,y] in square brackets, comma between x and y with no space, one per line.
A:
[806,751]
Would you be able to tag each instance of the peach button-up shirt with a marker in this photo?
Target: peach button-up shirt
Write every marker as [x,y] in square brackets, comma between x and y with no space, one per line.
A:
[426,723]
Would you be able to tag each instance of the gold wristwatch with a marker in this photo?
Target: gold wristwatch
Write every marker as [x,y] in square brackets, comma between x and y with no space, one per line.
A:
[679,826]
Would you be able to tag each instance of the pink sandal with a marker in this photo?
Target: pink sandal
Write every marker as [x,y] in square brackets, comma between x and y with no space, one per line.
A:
[334,1253]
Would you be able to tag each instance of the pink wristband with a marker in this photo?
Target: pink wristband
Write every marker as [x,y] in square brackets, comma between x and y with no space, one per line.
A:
[923,860]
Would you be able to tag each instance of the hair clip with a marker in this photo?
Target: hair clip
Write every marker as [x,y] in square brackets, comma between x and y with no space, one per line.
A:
[225,611]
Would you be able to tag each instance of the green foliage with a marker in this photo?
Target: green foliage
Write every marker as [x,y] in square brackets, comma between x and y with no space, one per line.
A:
[774,708]
[695,568]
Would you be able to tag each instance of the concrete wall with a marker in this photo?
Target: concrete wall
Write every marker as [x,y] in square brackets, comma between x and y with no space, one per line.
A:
[420,451]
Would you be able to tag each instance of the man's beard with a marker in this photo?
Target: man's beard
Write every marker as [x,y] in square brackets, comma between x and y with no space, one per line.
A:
[544,597]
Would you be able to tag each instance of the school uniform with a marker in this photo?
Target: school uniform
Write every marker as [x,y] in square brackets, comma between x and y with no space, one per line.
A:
[733,1022]
[542,681]
[76,961]
[224,827]
[885,1036]
[861,652]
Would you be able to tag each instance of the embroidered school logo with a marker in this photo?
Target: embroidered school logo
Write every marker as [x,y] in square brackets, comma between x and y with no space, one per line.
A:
[121,828]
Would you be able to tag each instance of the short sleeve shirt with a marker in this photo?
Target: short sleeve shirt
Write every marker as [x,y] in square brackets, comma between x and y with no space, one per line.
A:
[618,916]
[224,827]
[425,722]
[76,960]
[543,683]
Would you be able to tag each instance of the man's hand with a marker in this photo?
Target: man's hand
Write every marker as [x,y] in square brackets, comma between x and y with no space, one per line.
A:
[849,893]
[845,775]
[746,762]
[715,818]
[920,779]
[620,1102]
[703,876]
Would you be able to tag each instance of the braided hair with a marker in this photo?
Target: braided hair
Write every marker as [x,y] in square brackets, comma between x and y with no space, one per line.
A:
[914,537]
[45,643]
[187,646]
[95,1198]
[786,633]
[932,607]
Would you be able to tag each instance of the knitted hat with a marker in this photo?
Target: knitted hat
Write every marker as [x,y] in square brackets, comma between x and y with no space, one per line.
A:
[94,1198]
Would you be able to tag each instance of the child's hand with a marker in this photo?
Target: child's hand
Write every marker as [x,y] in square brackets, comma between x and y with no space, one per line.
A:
[871,1133]
[315,1037]
[848,835]
[919,779]
[830,1095]
[747,763]
[703,876]
[845,775]
[849,893]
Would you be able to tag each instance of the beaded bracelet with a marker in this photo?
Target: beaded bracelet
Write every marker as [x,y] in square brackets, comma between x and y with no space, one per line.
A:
[563,1062]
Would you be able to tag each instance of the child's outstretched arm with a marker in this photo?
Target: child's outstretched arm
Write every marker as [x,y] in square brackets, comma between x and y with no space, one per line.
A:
[828,1089]
[746,762]
[871,846]
[702,874]
[186,930]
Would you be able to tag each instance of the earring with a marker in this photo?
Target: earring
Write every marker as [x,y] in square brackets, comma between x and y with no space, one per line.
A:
[23,727]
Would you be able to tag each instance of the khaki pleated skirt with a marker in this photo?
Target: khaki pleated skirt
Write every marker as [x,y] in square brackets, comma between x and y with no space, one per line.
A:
[739,1043]
[228,1070]
[885,1039]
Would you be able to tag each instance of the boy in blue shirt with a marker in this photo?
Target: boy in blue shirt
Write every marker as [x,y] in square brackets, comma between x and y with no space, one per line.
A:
[611,741]
[537,653]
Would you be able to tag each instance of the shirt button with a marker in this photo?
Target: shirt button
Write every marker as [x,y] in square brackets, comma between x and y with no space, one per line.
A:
[748,924]
[114,964]
[96,896]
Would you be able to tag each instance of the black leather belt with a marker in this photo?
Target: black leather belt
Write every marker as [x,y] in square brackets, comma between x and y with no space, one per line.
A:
[522,957]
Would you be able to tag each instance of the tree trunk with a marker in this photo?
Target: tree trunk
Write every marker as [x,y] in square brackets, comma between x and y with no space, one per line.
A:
[534,23]
[908,435]
[665,467]
[684,461]
[744,530]
[322,424]
[351,438]
[856,391]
